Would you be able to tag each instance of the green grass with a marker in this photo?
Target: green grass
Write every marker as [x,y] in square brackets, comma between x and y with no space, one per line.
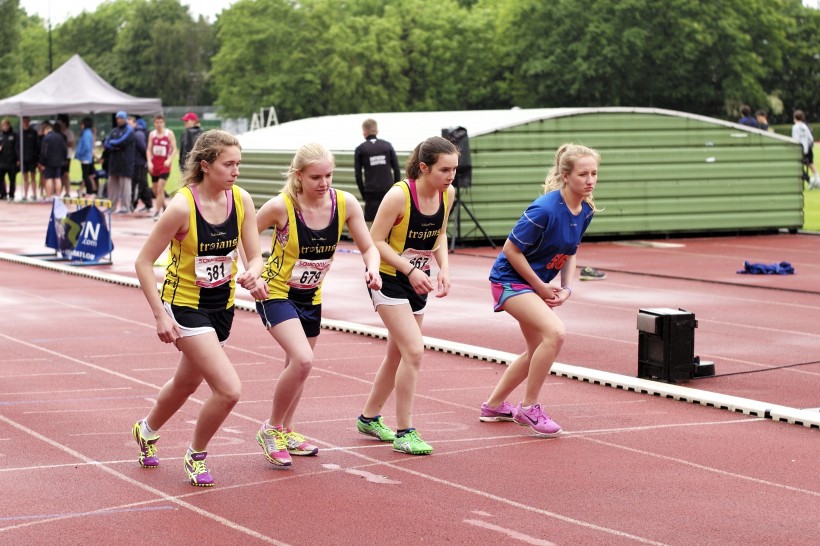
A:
[171,186]
[811,210]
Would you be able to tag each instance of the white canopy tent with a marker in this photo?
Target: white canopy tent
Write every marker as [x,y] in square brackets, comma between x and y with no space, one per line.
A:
[75,88]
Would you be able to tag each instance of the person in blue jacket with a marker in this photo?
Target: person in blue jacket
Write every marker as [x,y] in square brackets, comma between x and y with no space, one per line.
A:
[746,117]
[85,155]
[121,144]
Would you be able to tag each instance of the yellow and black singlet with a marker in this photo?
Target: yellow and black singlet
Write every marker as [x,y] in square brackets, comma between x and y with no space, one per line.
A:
[202,263]
[414,237]
[300,256]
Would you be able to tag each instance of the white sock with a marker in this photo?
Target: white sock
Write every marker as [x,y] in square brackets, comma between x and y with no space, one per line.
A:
[146,431]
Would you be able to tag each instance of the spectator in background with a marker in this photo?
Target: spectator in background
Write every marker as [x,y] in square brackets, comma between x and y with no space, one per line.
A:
[9,159]
[85,155]
[121,146]
[802,134]
[762,120]
[189,135]
[746,117]
[139,182]
[162,145]
[65,130]
[31,150]
[381,168]
[53,150]
[41,186]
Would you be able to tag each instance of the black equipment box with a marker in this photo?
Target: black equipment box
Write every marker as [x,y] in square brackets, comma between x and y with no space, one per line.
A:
[666,344]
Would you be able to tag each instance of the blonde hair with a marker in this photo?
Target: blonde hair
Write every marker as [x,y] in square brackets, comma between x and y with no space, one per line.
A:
[565,159]
[207,148]
[306,155]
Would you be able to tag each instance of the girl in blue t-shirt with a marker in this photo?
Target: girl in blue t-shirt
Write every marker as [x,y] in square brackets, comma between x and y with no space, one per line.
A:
[541,245]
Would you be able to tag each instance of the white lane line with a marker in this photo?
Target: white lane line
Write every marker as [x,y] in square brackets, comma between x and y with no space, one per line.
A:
[86,410]
[25,360]
[369,476]
[40,374]
[515,535]
[64,391]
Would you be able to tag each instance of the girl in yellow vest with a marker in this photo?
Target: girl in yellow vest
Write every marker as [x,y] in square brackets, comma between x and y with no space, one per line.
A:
[410,230]
[205,224]
[307,219]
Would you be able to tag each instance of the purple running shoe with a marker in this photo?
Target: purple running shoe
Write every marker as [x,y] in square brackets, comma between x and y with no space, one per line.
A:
[535,418]
[148,449]
[504,412]
[196,469]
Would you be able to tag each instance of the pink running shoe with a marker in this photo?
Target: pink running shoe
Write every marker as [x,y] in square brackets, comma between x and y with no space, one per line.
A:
[297,445]
[535,418]
[504,412]
[275,445]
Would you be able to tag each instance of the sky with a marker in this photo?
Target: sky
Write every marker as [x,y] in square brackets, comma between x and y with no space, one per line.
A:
[63,9]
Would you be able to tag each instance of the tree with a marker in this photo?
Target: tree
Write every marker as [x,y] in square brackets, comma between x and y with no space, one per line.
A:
[259,63]
[798,81]
[162,52]
[93,36]
[9,47]
[32,54]
[320,57]
[704,57]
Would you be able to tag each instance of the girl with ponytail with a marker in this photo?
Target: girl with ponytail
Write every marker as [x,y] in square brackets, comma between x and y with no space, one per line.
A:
[541,246]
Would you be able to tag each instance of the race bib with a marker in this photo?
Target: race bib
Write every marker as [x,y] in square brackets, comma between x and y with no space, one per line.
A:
[419,258]
[212,271]
[159,149]
[309,274]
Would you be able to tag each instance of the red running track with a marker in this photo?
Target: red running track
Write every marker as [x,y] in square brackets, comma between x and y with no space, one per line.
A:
[81,363]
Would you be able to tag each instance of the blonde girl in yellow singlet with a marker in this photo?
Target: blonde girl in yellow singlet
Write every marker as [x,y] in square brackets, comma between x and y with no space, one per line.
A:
[307,219]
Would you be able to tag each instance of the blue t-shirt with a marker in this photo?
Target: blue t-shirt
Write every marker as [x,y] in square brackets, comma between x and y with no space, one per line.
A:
[547,234]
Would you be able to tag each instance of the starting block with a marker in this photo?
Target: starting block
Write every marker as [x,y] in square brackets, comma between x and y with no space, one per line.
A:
[666,346]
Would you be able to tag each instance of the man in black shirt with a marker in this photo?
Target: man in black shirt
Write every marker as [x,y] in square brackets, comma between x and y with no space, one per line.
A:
[381,168]
[9,159]
[31,153]
[53,151]
[189,135]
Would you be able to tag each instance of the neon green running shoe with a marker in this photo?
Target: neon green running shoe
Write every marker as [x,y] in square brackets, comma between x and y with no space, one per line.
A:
[376,428]
[412,444]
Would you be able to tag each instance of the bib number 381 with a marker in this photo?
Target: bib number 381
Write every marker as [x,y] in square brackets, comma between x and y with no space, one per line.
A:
[212,271]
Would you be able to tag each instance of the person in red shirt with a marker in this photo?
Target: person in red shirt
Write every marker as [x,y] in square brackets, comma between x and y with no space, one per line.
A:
[162,145]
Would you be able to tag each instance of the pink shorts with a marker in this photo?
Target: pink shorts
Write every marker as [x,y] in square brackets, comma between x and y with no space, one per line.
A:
[504,291]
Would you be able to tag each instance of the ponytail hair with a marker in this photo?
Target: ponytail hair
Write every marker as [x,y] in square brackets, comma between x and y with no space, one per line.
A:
[207,148]
[428,152]
[565,159]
